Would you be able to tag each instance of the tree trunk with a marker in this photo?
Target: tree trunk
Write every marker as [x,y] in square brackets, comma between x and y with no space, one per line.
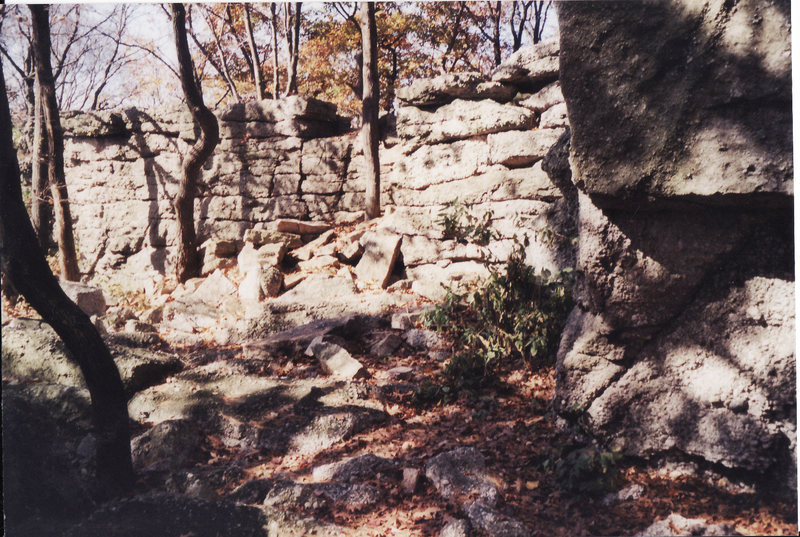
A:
[41,211]
[188,259]
[294,49]
[40,29]
[369,109]
[258,80]
[498,59]
[276,84]
[24,263]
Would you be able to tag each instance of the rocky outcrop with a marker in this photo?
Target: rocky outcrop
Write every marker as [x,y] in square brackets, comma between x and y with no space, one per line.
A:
[459,136]
[682,341]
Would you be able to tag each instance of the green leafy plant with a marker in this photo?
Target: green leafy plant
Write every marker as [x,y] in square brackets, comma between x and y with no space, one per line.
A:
[460,224]
[515,314]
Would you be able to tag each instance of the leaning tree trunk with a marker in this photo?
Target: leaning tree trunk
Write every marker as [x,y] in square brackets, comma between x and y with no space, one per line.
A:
[40,30]
[41,211]
[258,80]
[24,264]
[369,109]
[188,258]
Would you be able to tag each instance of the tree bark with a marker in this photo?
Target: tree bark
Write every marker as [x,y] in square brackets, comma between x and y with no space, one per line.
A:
[188,259]
[40,27]
[41,211]
[276,84]
[293,38]
[258,80]
[24,264]
[369,109]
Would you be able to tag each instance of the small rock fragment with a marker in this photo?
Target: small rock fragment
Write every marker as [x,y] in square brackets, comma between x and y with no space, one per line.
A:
[386,346]
[335,360]
[411,480]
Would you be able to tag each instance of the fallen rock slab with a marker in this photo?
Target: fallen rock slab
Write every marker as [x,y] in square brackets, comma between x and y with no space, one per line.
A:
[380,254]
[423,339]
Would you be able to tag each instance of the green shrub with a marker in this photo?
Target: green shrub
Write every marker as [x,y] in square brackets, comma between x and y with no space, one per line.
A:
[515,314]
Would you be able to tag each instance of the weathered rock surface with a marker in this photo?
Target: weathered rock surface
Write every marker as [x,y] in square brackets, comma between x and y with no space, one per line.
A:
[462,119]
[654,125]
[170,444]
[89,299]
[460,474]
[173,516]
[682,340]
[40,478]
[455,528]
[446,88]
[493,523]
[355,469]
[676,524]
[334,359]
[32,350]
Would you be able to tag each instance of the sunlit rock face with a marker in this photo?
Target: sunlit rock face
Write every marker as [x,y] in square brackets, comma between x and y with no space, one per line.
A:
[682,341]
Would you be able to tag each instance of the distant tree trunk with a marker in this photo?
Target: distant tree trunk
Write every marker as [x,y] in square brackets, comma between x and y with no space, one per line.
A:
[188,259]
[276,84]
[40,29]
[41,210]
[24,264]
[293,40]
[369,109]
[258,80]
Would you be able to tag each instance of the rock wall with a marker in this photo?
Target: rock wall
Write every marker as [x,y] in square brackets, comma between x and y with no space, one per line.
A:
[682,343]
[457,137]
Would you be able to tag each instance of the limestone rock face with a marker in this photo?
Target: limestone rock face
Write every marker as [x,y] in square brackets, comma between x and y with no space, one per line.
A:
[446,88]
[682,338]
[702,109]
[462,119]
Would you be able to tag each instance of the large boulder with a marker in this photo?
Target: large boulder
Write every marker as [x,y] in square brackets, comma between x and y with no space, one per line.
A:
[682,341]
[677,100]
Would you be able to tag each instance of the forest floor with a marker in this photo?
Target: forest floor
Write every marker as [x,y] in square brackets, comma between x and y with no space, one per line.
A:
[511,425]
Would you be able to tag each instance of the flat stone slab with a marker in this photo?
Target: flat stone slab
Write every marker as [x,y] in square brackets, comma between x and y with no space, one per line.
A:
[355,469]
[301,227]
